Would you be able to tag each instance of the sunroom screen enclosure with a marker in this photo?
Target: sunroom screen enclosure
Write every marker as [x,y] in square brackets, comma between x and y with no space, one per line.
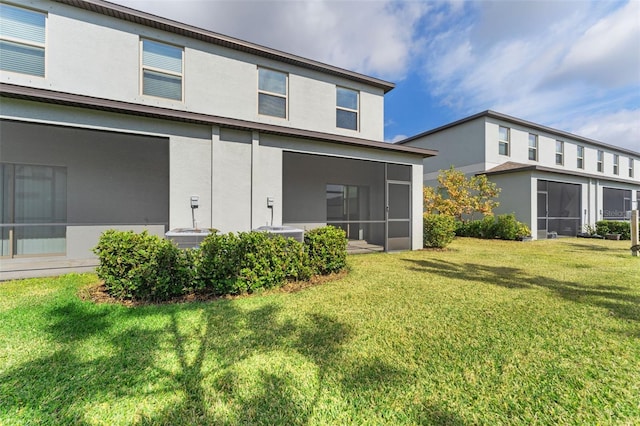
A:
[370,200]
[60,187]
[558,208]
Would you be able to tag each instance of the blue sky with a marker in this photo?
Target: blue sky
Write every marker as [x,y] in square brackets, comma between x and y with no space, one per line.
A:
[572,65]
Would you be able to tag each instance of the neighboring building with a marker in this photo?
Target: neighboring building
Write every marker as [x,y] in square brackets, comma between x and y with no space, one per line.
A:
[552,180]
[114,118]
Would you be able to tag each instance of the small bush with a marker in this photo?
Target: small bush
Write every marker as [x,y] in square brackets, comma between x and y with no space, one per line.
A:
[142,266]
[508,228]
[471,229]
[248,261]
[488,229]
[504,227]
[439,230]
[622,227]
[326,249]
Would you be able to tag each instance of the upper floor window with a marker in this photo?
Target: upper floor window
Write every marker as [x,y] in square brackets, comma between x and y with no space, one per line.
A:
[22,40]
[559,153]
[503,140]
[272,93]
[533,147]
[580,159]
[347,108]
[616,164]
[631,169]
[161,70]
[600,161]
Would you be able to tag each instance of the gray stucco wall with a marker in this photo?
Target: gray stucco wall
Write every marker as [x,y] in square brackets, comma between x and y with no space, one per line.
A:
[517,196]
[460,146]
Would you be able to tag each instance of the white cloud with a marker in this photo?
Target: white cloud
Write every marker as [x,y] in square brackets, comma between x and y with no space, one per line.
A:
[541,61]
[397,138]
[620,128]
[608,53]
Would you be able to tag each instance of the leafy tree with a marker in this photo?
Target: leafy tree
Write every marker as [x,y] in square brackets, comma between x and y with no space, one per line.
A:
[456,195]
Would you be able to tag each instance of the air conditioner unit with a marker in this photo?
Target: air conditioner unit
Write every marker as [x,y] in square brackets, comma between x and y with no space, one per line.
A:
[187,237]
[285,231]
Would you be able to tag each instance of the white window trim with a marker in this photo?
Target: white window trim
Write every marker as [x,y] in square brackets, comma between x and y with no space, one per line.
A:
[579,158]
[144,67]
[30,43]
[534,147]
[356,111]
[616,164]
[600,161]
[559,153]
[507,142]
[631,167]
[279,95]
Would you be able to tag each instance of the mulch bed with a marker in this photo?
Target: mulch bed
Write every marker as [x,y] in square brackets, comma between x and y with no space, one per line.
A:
[97,292]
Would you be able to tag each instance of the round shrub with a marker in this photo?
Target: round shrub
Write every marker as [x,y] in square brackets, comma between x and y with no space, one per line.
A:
[142,266]
[326,249]
[248,261]
[439,230]
[506,227]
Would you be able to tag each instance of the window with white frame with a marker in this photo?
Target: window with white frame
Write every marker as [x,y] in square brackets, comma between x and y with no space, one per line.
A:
[600,161]
[503,140]
[533,147]
[616,164]
[161,70]
[559,153]
[631,169]
[347,102]
[272,93]
[580,157]
[22,40]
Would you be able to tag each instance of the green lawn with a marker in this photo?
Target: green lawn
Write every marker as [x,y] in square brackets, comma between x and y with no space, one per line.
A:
[487,332]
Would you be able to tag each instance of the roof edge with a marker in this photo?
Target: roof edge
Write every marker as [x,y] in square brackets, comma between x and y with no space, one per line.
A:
[147,19]
[520,167]
[69,99]
[524,123]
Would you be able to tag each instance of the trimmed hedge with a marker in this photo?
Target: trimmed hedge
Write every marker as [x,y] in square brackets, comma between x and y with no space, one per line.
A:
[504,227]
[621,227]
[326,249]
[142,266]
[248,261]
[145,267]
[438,230]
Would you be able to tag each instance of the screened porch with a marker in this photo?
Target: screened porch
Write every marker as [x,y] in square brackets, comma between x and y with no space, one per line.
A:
[369,200]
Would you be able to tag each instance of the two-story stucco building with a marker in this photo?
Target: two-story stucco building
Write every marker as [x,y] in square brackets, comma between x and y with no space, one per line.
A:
[114,118]
[552,180]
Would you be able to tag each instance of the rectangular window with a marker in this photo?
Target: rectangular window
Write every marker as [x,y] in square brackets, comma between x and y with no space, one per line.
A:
[22,40]
[600,161]
[161,70]
[272,93]
[503,139]
[631,169]
[616,164]
[533,147]
[559,153]
[347,108]
[580,159]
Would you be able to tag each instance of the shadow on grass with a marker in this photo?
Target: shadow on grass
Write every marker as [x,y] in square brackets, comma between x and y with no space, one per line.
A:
[199,363]
[616,299]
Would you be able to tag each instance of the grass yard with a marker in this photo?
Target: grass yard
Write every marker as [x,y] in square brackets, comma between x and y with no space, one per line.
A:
[487,332]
